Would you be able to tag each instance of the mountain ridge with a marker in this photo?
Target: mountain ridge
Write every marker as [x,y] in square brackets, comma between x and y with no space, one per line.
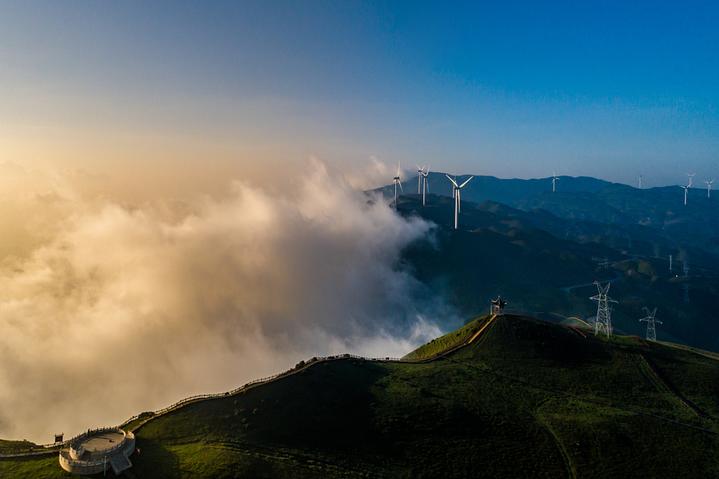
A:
[528,398]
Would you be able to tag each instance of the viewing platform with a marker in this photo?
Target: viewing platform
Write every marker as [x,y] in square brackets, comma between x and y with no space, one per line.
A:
[98,451]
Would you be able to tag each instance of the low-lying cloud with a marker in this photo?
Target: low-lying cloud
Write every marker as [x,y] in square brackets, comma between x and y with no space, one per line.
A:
[118,309]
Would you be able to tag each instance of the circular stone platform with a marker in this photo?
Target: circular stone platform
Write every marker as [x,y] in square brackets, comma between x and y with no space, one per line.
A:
[101,443]
[98,451]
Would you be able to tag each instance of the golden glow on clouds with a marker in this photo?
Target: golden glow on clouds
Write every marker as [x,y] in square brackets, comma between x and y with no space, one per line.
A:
[109,307]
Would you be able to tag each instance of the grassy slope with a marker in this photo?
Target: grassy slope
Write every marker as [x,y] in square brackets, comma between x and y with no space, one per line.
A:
[10,447]
[528,399]
[527,258]
[45,467]
[448,341]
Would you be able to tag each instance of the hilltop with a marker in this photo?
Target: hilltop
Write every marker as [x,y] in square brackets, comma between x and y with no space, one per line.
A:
[525,399]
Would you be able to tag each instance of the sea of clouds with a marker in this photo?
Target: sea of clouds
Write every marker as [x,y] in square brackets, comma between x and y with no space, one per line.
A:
[108,308]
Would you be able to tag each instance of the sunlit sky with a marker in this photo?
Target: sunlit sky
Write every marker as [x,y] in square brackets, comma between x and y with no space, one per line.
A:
[185,94]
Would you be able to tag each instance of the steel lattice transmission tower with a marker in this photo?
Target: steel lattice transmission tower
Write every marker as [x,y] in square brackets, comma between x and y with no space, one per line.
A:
[603,321]
[651,321]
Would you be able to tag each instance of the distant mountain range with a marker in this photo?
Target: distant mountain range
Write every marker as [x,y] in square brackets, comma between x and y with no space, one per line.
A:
[543,250]
[594,200]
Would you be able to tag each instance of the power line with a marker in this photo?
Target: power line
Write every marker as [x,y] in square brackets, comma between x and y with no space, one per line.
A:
[603,321]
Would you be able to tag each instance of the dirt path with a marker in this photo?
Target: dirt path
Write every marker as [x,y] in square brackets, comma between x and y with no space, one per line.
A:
[654,375]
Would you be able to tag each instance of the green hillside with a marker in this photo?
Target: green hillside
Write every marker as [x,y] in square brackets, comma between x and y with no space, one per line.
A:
[526,399]
[545,265]
[449,341]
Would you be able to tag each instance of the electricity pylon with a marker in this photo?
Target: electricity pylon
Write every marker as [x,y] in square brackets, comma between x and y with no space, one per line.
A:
[651,321]
[603,321]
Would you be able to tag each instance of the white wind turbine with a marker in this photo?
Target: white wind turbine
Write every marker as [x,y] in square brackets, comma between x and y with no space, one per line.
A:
[554,182]
[641,180]
[456,189]
[425,183]
[686,190]
[397,182]
[420,169]
[691,179]
[709,186]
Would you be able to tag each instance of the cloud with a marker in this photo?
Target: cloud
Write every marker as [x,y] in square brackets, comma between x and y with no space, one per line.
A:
[375,173]
[119,309]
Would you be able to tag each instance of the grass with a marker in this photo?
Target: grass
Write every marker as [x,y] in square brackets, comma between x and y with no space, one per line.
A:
[530,258]
[11,447]
[45,467]
[528,399]
[448,341]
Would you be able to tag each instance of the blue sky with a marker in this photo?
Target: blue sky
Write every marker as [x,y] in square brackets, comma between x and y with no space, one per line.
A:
[608,89]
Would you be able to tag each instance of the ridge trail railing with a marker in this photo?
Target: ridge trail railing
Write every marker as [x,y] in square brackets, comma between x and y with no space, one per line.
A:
[53,448]
[150,415]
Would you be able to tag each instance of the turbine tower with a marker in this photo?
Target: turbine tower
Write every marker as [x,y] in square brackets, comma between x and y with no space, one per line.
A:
[554,182]
[651,321]
[641,179]
[603,322]
[456,190]
[425,184]
[686,191]
[397,182]
[709,186]
[420,170]
[691,179]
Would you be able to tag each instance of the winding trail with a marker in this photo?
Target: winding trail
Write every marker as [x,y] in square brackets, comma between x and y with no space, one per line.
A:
[481,330]
[663,385]
[566,457]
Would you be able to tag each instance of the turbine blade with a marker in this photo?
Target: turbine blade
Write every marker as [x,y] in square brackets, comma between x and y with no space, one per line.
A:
[466,181]
[450,179]
[400,186]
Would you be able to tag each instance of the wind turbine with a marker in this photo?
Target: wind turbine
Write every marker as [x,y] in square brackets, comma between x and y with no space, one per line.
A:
[691,179]
[641,179]
[709,186]
[554,182]
[425,185]
[420,169]
[686,190]
[456,189]
[397,182]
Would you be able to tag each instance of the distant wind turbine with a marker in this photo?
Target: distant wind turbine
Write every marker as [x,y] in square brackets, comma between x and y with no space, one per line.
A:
[709,186]
[420,169]
[686,190]
[691,179]
[425,183]
[554,182]
[397,182]
[641,179]
[457,189]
